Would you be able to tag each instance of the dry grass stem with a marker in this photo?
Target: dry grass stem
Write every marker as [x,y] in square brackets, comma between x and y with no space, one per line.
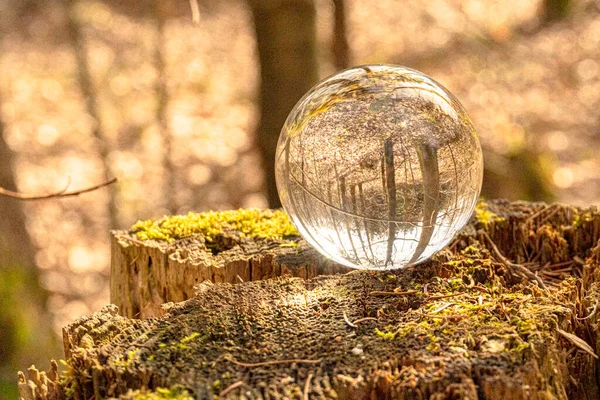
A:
[307,386]
[350,324]
[443,296]
[406,293]
[230,388]
[358,321]
[577,341]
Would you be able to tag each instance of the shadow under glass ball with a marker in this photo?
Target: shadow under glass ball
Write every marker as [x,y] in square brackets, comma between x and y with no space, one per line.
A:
[378,167]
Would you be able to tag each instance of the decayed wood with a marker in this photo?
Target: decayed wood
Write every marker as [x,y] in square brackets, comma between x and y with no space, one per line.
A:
[463,325]
[144,275]
[273,335]
[40,385]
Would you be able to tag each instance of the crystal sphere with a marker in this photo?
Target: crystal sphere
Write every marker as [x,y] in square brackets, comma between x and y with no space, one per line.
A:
[378,167]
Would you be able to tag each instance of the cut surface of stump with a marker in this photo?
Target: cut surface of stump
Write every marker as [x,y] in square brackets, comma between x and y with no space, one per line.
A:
[465,325]
[161,261]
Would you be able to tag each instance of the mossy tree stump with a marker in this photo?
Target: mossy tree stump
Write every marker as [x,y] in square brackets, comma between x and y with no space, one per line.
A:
[467,324]
[162,261]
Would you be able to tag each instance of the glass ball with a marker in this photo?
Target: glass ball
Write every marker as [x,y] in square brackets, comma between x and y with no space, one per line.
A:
[378,167]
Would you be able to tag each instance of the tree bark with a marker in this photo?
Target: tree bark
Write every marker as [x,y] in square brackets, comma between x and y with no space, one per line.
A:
[15,245]
[463,325]
[162,118]
[555,10]
[340,47]
[287,50]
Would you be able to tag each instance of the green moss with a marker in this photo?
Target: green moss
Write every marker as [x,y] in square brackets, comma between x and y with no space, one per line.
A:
[580,219]
[183,344]
[189,338]
[385,335]
[519,319]
[246,223]
[124,363]
[485,216]
[290,244]
[67,379]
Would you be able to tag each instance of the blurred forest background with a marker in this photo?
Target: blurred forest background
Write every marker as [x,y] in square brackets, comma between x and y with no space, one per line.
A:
[187,114]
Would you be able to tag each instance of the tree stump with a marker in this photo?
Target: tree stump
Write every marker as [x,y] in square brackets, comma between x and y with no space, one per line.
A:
[169,263]
[468,324]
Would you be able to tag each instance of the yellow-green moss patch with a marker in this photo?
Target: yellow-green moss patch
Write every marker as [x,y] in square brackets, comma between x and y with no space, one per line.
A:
[485,216]
[174,393]
[265,224]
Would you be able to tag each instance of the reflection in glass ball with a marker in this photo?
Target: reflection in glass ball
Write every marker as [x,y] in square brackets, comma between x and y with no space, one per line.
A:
[378,167]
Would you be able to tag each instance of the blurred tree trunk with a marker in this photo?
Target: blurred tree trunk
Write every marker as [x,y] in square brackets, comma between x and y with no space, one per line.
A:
[15,245]
[287,49]
[516,176]
[24,322]
[162,95]
[555,10]
[530,176]
[86,84]
[340,47]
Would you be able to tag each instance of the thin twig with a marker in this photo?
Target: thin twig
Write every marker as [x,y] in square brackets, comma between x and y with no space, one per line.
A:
[307,386]
[481,289]
[61,193]
[130,239]
[230,388]
[579,261]
[561,264]
[195,11]
[408,292]
[543,210]
[444,296]
[350,324]
[547,217]
[515,267]
[358,321]
[557,272]
[275,362]
[441,308]
[591,314]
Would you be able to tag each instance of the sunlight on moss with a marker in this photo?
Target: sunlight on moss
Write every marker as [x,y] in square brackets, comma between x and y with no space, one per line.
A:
[485,216]
[265,224]
[174,393]
[511,321]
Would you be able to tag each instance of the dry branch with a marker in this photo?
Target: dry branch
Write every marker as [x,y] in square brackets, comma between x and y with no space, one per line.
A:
[60,194]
